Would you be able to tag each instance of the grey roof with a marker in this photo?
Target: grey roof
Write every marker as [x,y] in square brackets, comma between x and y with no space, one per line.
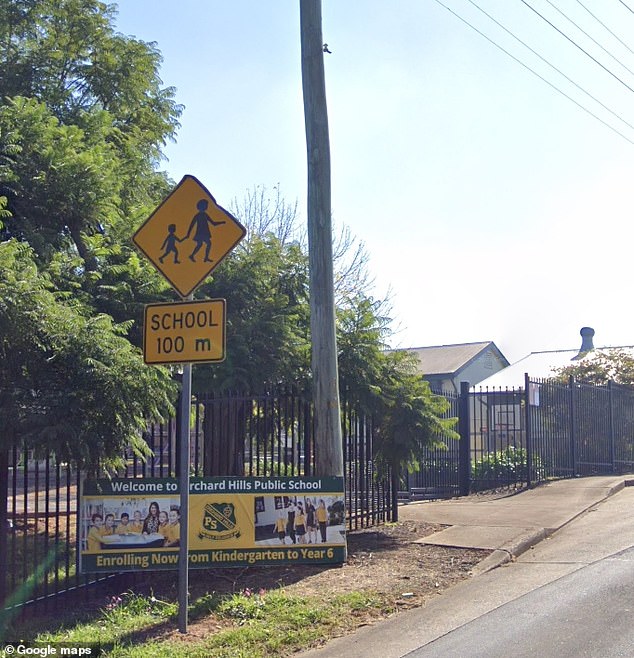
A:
[450,359]
[540,365]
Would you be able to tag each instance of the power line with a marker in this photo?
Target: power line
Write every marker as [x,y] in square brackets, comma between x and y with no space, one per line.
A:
[596,61]
[528,68]
[605,50]
[605,26]
[628,8]
[552,66]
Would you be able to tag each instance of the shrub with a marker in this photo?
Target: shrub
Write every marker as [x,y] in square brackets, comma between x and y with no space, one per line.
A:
[507,466]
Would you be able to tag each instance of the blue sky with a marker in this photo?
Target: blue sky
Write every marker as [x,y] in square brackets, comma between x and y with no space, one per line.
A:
[491,206]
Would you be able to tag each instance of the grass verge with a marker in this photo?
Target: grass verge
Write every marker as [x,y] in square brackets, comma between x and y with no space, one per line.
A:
[242,625]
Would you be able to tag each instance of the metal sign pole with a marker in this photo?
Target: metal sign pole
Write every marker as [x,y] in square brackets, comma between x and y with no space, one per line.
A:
[156,239]
[183,483]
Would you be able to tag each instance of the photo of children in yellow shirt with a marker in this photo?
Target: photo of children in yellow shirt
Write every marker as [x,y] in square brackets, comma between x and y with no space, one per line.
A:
[172,533]
[162,528]
[322,519]
[280,527]
[137,522]
[93,539]
[108,526]
[124,527]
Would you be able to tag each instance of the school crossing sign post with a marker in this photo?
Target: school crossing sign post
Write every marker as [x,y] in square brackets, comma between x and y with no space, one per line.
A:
[186,238]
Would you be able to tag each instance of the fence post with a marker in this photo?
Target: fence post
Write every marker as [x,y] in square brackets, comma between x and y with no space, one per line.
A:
[611,423]
[464,449]
[394,480]
[573,425]
[529,442]
[4,527]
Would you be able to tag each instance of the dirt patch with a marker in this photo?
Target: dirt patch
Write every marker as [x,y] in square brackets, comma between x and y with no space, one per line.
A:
[383,560]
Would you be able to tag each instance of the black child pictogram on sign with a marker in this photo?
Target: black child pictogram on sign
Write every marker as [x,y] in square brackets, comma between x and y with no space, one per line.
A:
[202,236]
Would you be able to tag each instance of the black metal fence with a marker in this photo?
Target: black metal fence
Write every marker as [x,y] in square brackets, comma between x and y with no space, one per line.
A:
[252,435]
[518,437]
[509,438]
[438,475]
[579,429]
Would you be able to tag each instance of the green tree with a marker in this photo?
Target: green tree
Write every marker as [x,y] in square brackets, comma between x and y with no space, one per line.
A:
[69,381]
[265,284]
[83,118]
[362,331]
[409,419]
[61,183]
[67,53]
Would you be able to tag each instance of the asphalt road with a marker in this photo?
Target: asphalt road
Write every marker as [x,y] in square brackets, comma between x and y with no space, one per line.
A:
[570,596]
[587,613]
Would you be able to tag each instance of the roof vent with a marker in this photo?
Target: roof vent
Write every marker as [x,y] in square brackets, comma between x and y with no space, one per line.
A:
[587,345]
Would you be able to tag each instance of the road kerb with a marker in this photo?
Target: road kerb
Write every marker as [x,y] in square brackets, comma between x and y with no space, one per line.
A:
[510,550]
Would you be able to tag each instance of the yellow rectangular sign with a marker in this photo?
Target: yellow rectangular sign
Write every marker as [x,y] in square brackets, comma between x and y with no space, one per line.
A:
[185,332]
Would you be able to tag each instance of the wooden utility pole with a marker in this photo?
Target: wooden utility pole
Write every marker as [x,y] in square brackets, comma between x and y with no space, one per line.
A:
[328,443]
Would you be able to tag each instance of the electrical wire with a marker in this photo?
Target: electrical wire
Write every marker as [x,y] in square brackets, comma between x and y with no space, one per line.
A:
[596,61]
[605,50]
[528,68]
[626,6]
[552,66]
[605,26]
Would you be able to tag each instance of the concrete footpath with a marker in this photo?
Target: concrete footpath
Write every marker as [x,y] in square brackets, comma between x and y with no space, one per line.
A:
[507,526]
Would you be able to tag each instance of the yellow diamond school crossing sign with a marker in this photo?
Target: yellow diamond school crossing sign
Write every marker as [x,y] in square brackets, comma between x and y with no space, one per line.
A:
[188,235]
[185,332]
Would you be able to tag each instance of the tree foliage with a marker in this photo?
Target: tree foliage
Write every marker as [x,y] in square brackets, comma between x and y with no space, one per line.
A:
[68,380]
[600,367]
[83,119]
[409,416]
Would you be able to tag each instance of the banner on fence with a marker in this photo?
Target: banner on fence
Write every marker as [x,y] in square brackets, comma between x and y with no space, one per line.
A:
[134,524]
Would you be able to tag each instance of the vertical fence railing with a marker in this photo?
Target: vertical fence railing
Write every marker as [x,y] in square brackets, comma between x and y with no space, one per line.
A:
[498,438]
[623,428]
[546,429]
[552,425]
[438,473]
[39,528]
[464,450]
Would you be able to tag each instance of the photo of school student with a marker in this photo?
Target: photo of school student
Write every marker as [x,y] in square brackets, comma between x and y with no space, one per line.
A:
[93,538]
[124,526]
[280,527]
[108,525]
[291,510]
[321,515]
[162,529]
[172,532]
[300,524]
[136,525]
[311,522]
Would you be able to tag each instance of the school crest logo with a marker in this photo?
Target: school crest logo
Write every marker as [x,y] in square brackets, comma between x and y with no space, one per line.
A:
[219,522]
